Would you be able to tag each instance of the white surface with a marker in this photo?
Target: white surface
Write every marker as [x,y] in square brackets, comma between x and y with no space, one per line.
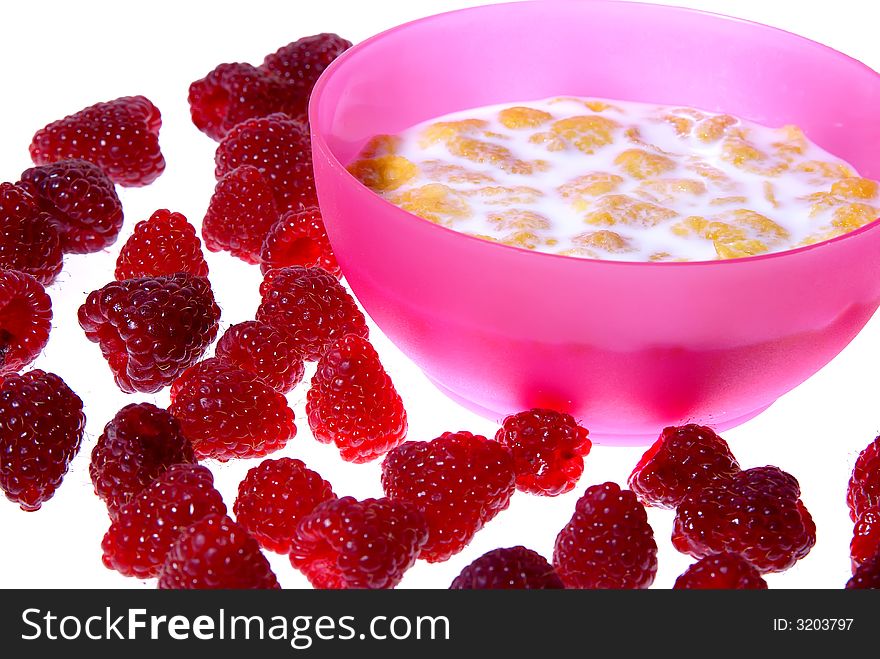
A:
[60,57]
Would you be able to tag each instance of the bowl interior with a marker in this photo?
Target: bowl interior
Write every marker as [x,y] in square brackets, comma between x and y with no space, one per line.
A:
[627,51]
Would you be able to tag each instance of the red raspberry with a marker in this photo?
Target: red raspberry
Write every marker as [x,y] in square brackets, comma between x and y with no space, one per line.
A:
[724,571]
[25,320]
[301,62]
[279,148]
[230,413]
[120,136]
[459,481]
[146,528]
[137,446]
[232,93]
[310,307]
[346,543]
[162,245]
[41,427]
[81,202]
[757,514]
[298,238]
[683,459]
[863,490]
[274,496]
[261,349]
[216,553]
[867,576]
[866,537]
[29,241]
[548,450]
[152,328]
[514,568]
[240,214]
[353,403]
[608,543]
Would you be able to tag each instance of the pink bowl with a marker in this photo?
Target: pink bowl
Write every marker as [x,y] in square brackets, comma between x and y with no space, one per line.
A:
[628,348]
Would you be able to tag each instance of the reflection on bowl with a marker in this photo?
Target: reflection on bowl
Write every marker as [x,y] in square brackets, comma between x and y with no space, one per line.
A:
[625,347]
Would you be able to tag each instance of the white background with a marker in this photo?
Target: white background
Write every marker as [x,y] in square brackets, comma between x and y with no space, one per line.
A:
[59,57]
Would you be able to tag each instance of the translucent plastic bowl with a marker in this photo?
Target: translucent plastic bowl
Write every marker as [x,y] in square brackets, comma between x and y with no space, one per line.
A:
[626,347]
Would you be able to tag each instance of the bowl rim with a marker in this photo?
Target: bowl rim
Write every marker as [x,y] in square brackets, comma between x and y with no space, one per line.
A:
[318,139]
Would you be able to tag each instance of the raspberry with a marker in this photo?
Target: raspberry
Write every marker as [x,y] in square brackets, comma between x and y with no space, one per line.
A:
[81,201]
[146,528]
[514,568]
[152,328]
[866,537]
[353,403]
[274,496]
[298,238]
[232,93]
[721,572]
[120,136]
[230,413]
[608,543]
[863,490]
[459,481]
[548,450]
[279,148]
[240,214]
[261,349]
[216,553]
[867,576]
[310,307]
[162,245]
[137,446]
[346,543]
[301,62]
[683,459]
[25,320]
[41,427]
[757,514]
[29,241]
